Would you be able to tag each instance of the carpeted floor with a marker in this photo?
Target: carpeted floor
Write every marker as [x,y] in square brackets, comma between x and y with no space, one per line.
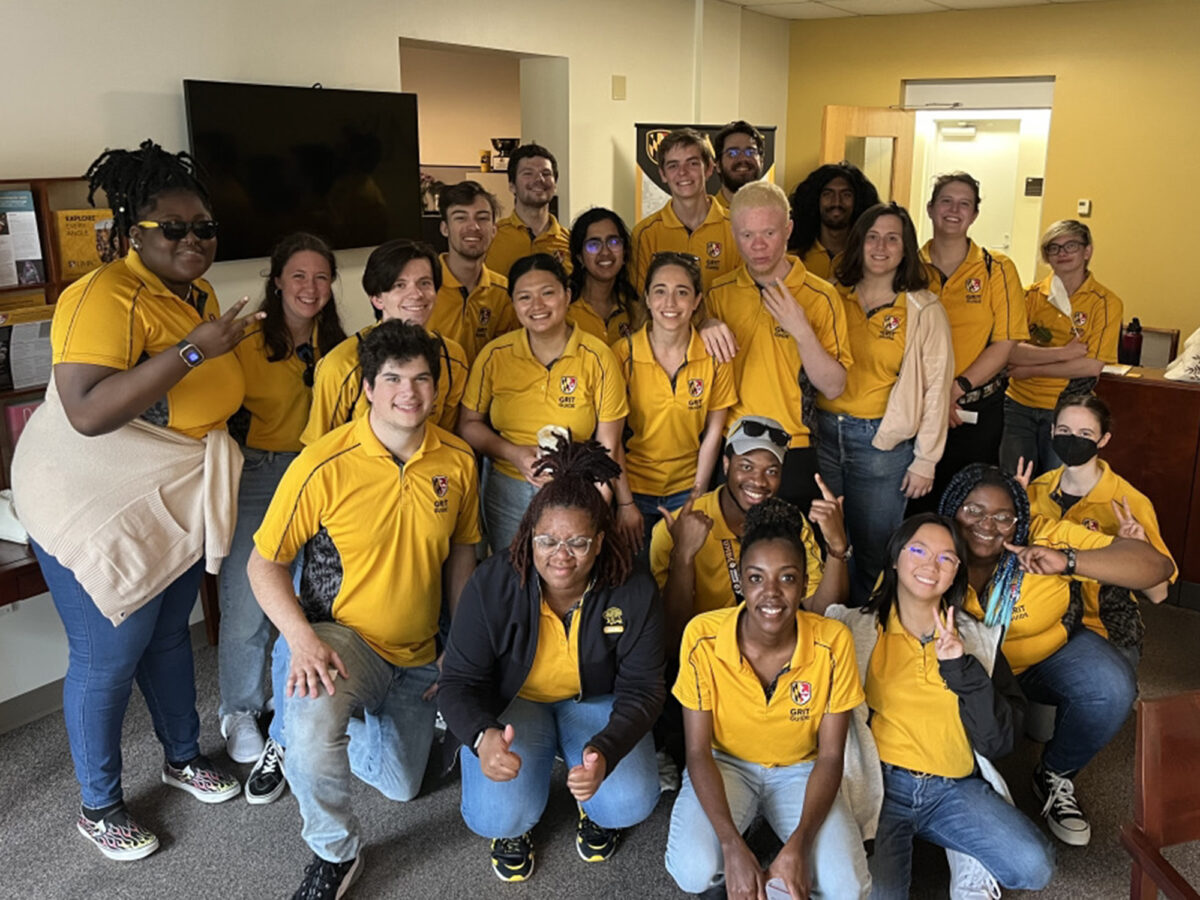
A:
[422,849]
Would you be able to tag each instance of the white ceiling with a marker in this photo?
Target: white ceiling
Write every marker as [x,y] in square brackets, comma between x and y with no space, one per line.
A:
[835,9]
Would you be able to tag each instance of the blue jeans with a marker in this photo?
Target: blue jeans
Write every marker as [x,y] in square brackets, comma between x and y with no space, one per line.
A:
[153,645]
[501,809]
[870,481]
[387,748]
[963,814]
[245,629]
[1093,688]
[1027,433]
[694,858]
[648,505]
[505,500]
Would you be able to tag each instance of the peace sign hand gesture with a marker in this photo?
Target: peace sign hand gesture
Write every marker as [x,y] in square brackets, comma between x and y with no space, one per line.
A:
[689,527]
[1129,526]
[947,645]
[220,335]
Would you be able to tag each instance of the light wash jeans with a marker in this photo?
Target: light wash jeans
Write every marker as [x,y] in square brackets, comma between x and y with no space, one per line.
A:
[245,629]
[870,481]
[963,814]
[501,809]
[152,646]
[505,500]
[326,743]
[694,859]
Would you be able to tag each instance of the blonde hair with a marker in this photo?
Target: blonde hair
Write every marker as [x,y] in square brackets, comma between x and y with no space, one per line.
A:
[1068,227]
[757,195]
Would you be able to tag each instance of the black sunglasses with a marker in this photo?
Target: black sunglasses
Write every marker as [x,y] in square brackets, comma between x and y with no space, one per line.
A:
[778,436]
[305,354]
[205,229]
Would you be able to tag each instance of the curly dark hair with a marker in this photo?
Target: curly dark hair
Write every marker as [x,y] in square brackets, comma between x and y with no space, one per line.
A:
[775,519]
[577,467]
[1006,583]
[277,337]
[132,180]
[398,341]
[806,201]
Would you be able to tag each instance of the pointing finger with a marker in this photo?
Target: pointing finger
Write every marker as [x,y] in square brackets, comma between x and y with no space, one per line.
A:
[825,491]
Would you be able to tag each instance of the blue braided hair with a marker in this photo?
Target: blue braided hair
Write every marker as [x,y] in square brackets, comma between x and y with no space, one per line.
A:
[1005,585]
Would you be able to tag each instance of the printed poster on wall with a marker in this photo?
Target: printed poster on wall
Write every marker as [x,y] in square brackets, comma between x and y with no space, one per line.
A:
[652,193]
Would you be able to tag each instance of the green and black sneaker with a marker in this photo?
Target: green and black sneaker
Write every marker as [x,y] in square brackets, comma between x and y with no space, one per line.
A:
[512,858]
[595,844]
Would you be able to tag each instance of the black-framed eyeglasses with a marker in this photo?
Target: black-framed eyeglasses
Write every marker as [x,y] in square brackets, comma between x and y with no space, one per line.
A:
[1065,247]
[595,245]
[205,229]
[305,354]
[577,546]
[735,152]
[777,436]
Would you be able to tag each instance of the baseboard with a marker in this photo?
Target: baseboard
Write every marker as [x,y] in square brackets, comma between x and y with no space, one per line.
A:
[47,699]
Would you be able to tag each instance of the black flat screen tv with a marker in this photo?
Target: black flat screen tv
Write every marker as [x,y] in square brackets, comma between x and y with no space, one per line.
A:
[341,164]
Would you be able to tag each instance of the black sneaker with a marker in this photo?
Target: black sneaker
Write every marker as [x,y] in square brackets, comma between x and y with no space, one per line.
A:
[1061,810]
[118,836]
[324,880]
[512,858]
[266,781]
[595,844]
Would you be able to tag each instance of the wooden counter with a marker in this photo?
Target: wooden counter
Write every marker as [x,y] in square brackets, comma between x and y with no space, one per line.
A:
[1156,447]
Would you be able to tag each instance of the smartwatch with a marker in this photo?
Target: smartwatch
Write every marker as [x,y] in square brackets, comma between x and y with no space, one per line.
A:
[1069,553]
[845,554]
[190,353]
[964,384]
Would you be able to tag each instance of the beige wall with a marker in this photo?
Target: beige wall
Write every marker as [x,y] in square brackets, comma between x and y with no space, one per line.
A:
[1123,132]
[464,100]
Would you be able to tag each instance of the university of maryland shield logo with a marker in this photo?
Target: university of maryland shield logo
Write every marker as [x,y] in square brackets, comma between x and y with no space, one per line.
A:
[566,384]
[653,139]
[801,692]
[485,315]
[713,249]
[695,386]
[890,324]
[1091,524]
[441,485]
[974,285]
[1079,319]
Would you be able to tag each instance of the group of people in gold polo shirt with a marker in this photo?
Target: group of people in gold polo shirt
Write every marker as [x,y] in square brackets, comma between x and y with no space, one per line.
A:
[685,457]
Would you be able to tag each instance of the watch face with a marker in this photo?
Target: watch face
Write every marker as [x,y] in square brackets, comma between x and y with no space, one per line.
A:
[192,356]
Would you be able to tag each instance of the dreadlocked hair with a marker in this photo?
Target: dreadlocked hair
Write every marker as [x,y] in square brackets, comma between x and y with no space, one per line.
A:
[775,519]
[1005,585]
[576,468]
[133,179]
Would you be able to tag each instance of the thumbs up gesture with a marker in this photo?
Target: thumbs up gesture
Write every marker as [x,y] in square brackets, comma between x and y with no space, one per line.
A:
[496,757]
[584,780]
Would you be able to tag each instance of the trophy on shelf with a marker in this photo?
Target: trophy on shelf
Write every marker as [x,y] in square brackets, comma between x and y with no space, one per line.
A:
[502,149]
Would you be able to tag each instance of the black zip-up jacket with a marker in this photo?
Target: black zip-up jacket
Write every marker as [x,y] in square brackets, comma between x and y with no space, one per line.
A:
[493,640]
[992,709]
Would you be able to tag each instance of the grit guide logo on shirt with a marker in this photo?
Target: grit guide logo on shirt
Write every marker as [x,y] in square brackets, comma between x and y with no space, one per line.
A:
[801,693]
[891,323]
[974,290]
[696,390]
[441,487]
[566,386]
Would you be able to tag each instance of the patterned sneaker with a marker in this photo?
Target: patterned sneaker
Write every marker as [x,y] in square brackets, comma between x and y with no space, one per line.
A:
[512,858]
[118,836]
[266,781]
[324,880]
[202,780]
[1061,810]
[595,844]
[243,740]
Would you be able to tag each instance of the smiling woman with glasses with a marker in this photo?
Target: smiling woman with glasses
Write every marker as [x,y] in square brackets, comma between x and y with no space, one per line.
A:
[556,648]
[277,357]
[603,299]
[1074,328]
[942,706]
[1020,570]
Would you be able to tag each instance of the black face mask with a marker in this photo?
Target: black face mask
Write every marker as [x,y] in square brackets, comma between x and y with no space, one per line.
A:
[1073,449]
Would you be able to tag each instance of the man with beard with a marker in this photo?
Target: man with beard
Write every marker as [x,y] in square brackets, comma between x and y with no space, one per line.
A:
[472,305]
[740,148]
[532,228]
[825,206]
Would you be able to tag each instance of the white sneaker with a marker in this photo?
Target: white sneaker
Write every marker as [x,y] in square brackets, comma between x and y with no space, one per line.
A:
[668,772]
[243,741]
[969,880]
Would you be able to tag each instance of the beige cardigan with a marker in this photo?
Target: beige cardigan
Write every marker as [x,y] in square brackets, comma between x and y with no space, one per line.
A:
[127,512]
[919,405]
